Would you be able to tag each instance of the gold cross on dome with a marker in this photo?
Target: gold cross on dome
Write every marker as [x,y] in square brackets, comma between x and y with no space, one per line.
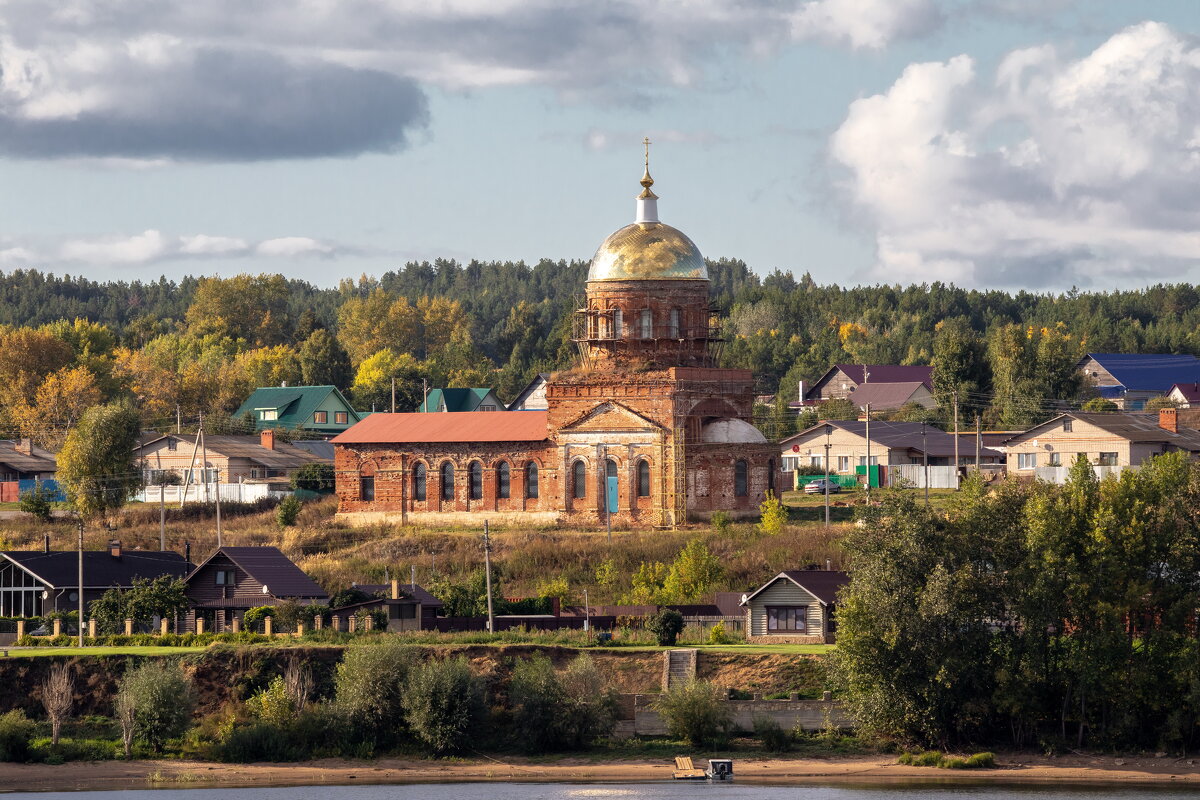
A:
[646,142]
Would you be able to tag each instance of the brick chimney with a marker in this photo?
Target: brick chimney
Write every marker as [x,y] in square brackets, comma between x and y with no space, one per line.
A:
[114,548]
[24,446]
[46,543]
[1168,419]
[267,439]
[395,589]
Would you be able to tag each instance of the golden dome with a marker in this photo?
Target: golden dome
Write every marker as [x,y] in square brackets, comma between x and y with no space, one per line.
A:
[648,251]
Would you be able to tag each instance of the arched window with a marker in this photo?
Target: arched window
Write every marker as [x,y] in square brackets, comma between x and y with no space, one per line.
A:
[643,478]
[447,480]
[771,474]
[531,481]
[647,326]
[739,478]
[419,477]
[579,481]
[618,324]
[503,481]
[674,323]
[475,480]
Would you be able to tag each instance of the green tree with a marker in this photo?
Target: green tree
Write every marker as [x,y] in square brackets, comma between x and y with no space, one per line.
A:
[697,712]
[96,464]
[317,477]
[838,408]
[324,362]
[37,502]
[1154,404]
[692,574]
[773,515]
[1100,405]
[161,699]
[443,704]
[369,688]
[163,596]
[959,365]
[288,511]
[666,625]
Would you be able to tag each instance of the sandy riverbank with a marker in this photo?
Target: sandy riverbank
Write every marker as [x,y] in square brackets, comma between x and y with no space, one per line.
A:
[158,774]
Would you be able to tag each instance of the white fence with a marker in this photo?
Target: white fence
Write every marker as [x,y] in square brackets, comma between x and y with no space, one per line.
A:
[207,493]
[914,475]
[1059,474]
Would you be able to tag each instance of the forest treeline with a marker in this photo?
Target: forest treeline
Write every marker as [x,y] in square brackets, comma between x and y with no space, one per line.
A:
[200,345]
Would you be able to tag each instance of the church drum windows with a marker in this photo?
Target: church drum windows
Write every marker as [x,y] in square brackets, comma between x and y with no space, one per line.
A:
[420,480]
[447,480]
[618,324]
[740,488]
[646,324]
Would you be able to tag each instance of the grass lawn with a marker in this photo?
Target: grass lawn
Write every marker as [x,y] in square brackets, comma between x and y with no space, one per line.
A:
[31,652]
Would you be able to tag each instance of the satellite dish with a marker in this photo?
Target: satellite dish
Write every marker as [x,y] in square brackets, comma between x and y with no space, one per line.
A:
[265,590]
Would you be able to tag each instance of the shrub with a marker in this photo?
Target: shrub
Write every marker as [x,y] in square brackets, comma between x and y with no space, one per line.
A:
[273,705]
[559,712]
[717,634]
[666,625]
[982,761]
[443,704]
[589,712]
[773,737]
[161,700]
[696,711]
[313,733]
[16,731]
[774,515]
[720,521]
[253,618]
[369,687]
[37,502]
[288,511]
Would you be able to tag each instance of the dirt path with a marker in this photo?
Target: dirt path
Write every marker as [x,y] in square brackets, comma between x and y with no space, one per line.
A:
[1012,768]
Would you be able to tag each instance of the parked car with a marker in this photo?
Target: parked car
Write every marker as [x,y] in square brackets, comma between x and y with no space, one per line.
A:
[818,487]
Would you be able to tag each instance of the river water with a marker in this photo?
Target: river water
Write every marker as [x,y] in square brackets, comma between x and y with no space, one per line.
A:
[637,791]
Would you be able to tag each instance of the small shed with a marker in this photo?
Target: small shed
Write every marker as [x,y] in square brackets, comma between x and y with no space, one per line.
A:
[409,607]
[797,606]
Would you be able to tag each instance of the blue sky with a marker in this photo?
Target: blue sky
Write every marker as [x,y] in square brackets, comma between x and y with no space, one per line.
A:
[990,143]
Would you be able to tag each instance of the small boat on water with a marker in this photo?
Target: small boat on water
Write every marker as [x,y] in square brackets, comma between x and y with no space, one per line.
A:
[719,769]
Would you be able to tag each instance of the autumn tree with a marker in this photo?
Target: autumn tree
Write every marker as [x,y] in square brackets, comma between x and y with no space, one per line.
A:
[59,402]
[96,464]
[253,308]
[373,382]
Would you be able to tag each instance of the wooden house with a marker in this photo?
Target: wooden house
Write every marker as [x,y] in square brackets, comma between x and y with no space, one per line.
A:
[233,580]
[797,606]
[841,380]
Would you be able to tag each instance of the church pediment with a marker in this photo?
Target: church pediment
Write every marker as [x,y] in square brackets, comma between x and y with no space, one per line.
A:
[611,417]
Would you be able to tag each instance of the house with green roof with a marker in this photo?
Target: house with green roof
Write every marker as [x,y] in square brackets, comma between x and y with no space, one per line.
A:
[321,409]
[462,400]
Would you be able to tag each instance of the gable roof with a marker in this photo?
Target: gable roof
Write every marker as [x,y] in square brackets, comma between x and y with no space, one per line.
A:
[611,416]
[538,381]
[408,592]
[1131,427]
[284,456]
[101,570]
[1190,392]
[455,399]
[822,584]
[38,460]
[900,435]
[884,395]
[270,567]
[294,404]
[466,426]
[1147,372]
[878,373]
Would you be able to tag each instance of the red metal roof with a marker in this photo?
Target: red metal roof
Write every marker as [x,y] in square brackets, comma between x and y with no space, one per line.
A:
[459,426]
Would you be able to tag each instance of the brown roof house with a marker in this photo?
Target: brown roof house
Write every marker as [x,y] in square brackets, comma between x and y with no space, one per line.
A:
[891,396]
[36,582]
[1112,442]
[1185,395]
[409,607]
[797,606]
[843,379]
[235,579]
[21,459]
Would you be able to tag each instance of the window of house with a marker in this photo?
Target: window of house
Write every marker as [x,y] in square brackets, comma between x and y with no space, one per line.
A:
[225,577]
[674,324]
[1107,460]
[487,407]
[787,619]
[172,444]
[643,478]
[366,489]
[447,481]
[1067,425]
[579,481]
[739,479]
[814,461]
[1054,460]
[269,414]
[503,481]
[320,417]
[1026,460]
[862,461]
[843,463]
[420,478]
[531,481]
[618,324]
[647,325]
[340,417]
[475,480]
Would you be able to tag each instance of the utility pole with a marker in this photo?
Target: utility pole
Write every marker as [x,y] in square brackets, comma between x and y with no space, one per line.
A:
[607,511]
[587,613]
[828,433]
[424,394]
[79,522]
[203,457]
[956,438]
[393,394]
[487,566]
[162,514]
[412,577]
[867,434]
[178,419]
[217,488]
[978,441]
[925,462]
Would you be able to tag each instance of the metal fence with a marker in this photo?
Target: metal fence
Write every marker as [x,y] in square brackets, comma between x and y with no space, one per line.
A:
[914,475]
[207,493]
[1059,474]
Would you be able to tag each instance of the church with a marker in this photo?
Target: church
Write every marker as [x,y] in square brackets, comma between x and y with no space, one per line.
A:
[643,431]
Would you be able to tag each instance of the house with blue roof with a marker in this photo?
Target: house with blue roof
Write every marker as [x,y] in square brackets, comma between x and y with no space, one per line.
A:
[462,400]
[321,409]
[1130,379]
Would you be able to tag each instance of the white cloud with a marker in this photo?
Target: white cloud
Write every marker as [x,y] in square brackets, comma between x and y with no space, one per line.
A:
[865,23]
[1058,172]
[204,245]
[292,246]
[152,247]
[140,249]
